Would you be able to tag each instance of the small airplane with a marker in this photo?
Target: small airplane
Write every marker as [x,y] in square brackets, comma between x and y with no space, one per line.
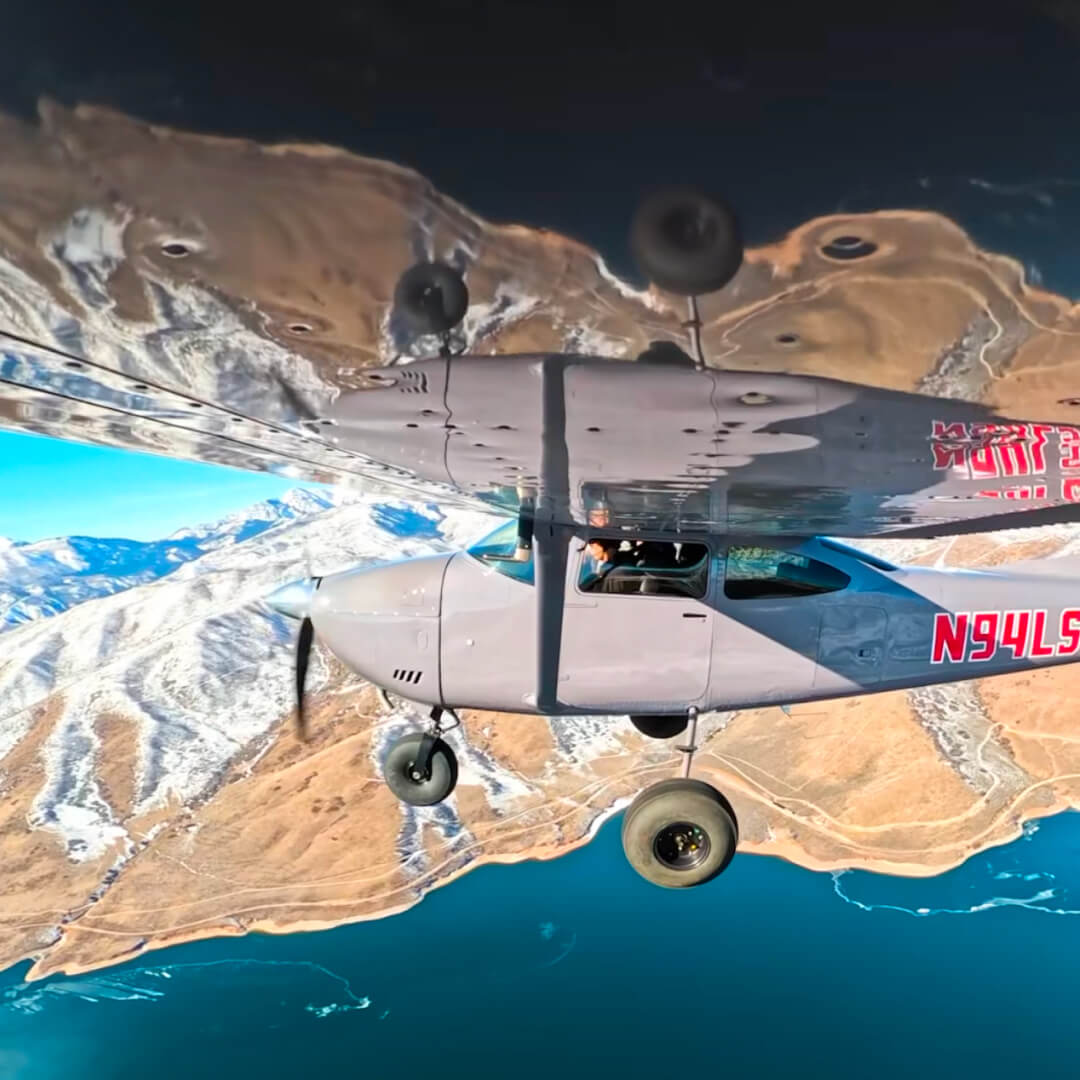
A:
[667,551]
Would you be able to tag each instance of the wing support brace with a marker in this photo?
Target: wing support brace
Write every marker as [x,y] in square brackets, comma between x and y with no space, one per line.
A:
[551,539]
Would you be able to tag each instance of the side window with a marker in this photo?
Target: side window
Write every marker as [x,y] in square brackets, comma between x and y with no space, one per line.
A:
[497,551]
[763,572]
[612,564]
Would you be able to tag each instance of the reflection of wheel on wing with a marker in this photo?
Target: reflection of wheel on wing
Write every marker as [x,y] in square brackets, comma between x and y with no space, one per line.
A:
[431,297]
[686,241]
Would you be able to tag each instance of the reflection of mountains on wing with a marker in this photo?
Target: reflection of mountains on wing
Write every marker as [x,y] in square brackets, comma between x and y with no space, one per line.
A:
[214,298]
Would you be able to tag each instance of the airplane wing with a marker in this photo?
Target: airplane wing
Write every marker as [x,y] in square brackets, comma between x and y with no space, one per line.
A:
[221,299]
[46,392]
[660,447]
[677,449]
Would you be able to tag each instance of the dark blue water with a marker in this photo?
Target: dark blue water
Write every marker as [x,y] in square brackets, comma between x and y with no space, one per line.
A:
[576,967]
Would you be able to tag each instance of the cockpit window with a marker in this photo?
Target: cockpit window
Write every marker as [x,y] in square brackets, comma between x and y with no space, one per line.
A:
[497,551]
[758,572]
[654,567]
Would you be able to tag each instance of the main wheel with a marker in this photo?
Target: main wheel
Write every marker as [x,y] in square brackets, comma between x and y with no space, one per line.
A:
[403,776]
[431,297]
[686,241]
[679,833]
[660,727]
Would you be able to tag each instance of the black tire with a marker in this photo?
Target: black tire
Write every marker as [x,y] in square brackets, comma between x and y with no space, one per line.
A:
[665,352]
[686,241]
[660,727]
[680,833]
[431,298]
[398,771]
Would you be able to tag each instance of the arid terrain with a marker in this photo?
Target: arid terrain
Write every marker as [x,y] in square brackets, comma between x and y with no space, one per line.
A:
[154,790]
[157,287]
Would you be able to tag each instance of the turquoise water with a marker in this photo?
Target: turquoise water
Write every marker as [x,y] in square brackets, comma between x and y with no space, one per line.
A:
[578,968]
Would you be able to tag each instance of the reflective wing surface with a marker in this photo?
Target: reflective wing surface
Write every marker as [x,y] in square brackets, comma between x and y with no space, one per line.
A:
[674,449]
[227,298]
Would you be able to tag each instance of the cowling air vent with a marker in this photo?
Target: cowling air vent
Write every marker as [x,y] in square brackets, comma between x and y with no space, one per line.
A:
[413,382]
[408,675]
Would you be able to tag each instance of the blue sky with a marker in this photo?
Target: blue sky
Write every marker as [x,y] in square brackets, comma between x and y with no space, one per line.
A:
[49,487]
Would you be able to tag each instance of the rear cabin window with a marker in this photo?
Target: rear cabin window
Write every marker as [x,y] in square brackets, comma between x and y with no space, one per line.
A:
[758,572]
[497,551]
[644,567]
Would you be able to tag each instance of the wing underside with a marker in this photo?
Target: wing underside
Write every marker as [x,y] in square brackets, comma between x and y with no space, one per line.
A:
[650,448]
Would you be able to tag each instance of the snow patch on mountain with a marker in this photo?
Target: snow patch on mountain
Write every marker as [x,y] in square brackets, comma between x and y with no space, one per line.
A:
[194,658]
[41,579]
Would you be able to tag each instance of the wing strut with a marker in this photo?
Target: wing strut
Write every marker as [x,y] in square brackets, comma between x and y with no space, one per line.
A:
[550,539]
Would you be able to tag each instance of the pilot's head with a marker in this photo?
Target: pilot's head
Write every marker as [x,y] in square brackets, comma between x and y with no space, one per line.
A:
[602,551]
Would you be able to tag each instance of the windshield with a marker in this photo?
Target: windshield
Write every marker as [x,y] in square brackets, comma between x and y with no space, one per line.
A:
[497,551]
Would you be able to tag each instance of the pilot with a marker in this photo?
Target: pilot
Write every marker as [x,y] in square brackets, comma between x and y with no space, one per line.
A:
[606,557]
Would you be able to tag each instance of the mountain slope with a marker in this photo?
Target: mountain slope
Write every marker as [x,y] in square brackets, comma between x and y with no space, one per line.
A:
[152,789]
[49,576]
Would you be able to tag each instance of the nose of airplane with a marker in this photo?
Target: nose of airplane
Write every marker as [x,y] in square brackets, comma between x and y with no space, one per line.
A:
[294,599]
[383,621]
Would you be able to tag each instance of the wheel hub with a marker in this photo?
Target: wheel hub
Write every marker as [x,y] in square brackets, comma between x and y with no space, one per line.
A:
[690,230]
[682,845]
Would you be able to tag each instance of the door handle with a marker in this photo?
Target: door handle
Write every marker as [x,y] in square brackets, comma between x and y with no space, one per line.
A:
[694,615]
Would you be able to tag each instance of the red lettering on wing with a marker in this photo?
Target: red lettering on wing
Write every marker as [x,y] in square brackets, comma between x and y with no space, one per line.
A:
[947,454]
[1069,444]
[1014,632]
[983,460]
[984,629]
[950,637]
[1026,491]
[1038,635]
[1069,644]
[1013,451]
[1037,447]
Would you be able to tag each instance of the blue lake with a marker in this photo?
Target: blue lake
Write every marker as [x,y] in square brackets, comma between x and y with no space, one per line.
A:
[576,967]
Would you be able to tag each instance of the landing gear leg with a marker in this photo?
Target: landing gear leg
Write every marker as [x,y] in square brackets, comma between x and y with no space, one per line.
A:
[690,747]
[430,739]
[693,325]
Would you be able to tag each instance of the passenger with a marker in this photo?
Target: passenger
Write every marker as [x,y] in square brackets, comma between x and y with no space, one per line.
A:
[655,554]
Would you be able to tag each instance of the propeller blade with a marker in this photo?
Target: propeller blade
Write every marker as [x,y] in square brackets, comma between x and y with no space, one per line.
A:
[303,653]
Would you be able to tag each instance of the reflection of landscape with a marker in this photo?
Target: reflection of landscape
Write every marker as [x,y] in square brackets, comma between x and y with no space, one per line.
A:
[256,282]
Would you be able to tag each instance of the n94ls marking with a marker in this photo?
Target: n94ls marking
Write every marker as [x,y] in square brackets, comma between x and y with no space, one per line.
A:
[978,636]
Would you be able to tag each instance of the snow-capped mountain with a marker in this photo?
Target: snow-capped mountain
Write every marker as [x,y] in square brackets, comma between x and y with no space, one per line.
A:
[49,576]
[193,645]
[146,756]
[124,720]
